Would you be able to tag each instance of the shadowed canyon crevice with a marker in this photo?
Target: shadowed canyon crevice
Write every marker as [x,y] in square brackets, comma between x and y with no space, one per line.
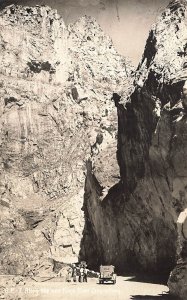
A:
[134,226]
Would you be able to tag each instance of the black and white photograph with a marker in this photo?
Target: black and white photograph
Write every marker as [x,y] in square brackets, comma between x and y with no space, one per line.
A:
[93,149]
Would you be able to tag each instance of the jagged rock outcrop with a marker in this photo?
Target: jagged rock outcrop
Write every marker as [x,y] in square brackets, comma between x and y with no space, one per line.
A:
[178,278]
[63,193]
[134,226]
[56,85]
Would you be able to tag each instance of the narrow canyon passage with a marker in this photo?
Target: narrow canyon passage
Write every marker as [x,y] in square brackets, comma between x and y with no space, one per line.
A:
[92,152]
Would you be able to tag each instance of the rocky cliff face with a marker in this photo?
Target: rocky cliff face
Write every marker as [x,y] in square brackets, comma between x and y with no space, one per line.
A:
[57,118]
[135,224]
[64,194]
[178,278]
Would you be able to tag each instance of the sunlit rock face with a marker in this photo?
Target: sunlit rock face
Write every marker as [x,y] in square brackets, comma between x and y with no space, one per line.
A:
[135,224]
[178,278]
[67,104]
[57,113]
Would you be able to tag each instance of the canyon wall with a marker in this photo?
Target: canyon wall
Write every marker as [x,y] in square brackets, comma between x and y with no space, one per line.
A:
[56,85]
[69,101]
[134,226]
[178,278]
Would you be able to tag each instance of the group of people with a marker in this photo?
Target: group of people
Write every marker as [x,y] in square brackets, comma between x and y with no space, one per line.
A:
[78,273]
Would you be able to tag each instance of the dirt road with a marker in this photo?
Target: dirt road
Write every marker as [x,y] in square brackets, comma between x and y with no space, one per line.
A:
[125,289]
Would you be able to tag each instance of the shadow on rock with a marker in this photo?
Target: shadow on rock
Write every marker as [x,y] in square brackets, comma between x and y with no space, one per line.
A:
[149,278]
[158,297]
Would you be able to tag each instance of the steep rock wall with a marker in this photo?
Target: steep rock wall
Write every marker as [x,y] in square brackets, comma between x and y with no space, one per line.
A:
[135,224]
[178,278]
[63,193]
[56,86]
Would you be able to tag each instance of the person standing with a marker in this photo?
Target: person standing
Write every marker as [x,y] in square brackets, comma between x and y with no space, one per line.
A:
[85,274]
[81,274]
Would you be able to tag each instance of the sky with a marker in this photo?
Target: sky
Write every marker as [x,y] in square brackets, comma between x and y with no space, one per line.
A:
[126,21]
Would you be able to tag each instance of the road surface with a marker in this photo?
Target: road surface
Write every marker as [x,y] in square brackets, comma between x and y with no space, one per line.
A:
[126,288]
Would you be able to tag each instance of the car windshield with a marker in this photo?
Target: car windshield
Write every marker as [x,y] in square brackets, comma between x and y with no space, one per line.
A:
[108,269]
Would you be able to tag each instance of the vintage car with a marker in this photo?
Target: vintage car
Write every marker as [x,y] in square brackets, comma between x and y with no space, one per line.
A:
[107,274]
